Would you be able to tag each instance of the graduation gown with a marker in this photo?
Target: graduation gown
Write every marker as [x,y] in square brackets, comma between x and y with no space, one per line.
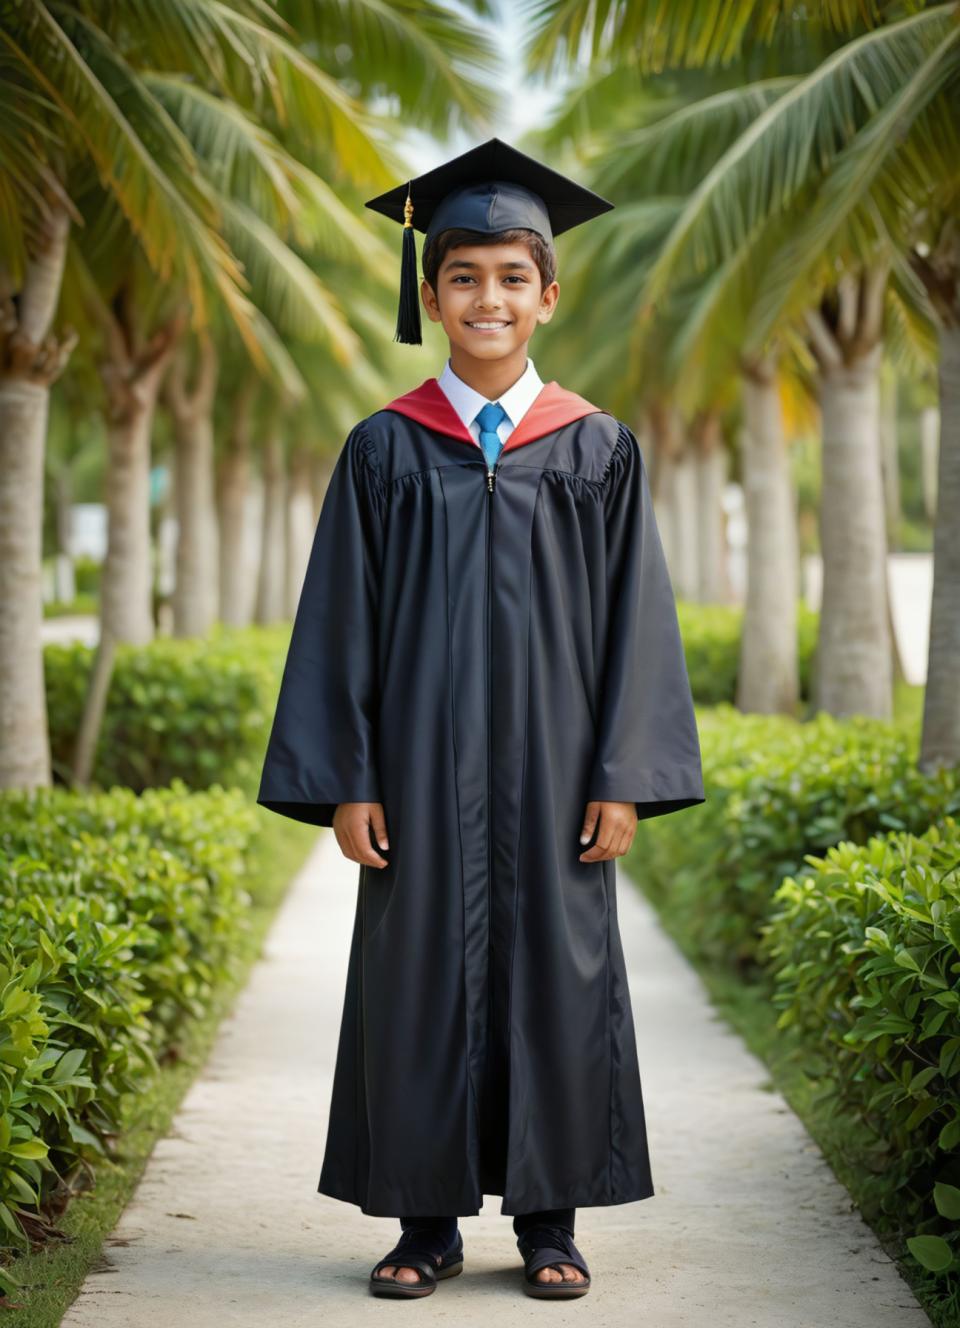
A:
[483,656]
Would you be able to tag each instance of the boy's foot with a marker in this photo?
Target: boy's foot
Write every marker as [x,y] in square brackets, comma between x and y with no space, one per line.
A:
[560,1272]
[402,1273]
[552,1265]
[429,1261]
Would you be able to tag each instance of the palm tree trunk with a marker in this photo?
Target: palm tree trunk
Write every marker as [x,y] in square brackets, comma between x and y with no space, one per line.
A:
[65,585]
[767,680]
[272,575]
[711,471]
[940,742]
[683,483]
[889,452]
[126,589]
[94,709]
[30,360]
[300,525]
[233,487]
[929,434]
[195,592]
[675,498]
[854,652]
[132,373]
[854,672]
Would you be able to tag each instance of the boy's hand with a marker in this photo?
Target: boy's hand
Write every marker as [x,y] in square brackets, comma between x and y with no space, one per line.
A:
[617,823]
[355,825]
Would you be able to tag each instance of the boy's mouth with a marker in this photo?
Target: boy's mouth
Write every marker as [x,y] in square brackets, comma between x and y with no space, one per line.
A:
[488,324]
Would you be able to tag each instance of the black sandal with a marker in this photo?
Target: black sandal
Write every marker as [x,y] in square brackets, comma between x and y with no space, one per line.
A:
[420,1248]
[546,1247]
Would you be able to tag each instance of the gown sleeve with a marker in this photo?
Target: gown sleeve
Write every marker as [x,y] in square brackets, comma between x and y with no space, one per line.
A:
[647,748]
[323,742]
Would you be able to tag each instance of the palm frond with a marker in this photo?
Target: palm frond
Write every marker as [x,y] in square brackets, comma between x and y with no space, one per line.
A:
[876,184]
[158,188]
[328,228]
[798,137]
[289,293]
[911,323]
[431,64]
[309,102]
[567,33]
[601,102]
[240,156]
[671,153]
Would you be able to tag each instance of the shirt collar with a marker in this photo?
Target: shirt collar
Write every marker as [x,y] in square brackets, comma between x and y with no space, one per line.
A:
[516,401]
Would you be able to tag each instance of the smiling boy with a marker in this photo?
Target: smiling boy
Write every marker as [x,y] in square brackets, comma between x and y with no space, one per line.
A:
[486,667]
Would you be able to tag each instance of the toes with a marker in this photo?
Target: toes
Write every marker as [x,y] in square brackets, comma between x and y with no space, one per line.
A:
[547,1274]
[395,1273]
[571,1274]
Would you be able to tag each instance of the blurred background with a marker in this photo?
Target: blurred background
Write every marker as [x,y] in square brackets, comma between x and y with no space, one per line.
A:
[195,307]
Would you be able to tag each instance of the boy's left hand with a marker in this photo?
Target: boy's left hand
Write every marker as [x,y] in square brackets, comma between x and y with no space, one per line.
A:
[617,823]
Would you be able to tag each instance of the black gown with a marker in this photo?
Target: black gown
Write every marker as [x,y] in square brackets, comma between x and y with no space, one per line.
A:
[483,655]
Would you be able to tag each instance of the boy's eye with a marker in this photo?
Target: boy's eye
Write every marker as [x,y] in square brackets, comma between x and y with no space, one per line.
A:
[512,276]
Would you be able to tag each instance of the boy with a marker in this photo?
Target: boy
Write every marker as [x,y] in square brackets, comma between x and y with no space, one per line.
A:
[485,663]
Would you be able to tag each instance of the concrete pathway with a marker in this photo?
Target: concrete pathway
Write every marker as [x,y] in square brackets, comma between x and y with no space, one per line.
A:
[748,1225]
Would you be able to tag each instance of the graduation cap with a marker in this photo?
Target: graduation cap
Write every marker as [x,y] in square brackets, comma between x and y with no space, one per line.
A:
[493,187]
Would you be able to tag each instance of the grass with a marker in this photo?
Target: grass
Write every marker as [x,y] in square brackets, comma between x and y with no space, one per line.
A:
[52,1277]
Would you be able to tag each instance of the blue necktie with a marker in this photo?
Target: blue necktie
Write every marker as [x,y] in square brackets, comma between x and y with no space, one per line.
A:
[488,417]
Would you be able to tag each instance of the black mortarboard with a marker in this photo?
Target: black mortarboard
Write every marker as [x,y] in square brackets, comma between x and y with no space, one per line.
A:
[493,187]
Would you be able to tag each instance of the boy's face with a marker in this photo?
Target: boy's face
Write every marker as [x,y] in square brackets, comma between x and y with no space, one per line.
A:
[489,283]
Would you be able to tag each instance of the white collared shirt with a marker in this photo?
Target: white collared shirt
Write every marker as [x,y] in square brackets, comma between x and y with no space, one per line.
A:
[516,401]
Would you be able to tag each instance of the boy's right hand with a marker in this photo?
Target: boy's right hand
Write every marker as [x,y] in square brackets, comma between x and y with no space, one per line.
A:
[356,826]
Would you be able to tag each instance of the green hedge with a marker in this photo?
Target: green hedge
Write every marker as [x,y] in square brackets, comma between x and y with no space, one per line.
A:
[865,953]
[197,709]
[711,644]
[119,916]
[82,605]
[200,709]
[778,790]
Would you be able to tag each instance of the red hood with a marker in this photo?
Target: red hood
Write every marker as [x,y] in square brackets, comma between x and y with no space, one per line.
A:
[552,408]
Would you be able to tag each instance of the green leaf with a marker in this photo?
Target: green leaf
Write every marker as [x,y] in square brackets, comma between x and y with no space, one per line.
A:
[947,1199]
[29,1148]
[10,1222]
[68,1064]
[931,1251]
[924,1108]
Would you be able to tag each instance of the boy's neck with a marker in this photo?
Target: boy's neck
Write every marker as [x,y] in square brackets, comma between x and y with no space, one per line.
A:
[491,378]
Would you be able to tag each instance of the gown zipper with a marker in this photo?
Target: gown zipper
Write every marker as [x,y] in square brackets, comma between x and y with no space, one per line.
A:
[491,476]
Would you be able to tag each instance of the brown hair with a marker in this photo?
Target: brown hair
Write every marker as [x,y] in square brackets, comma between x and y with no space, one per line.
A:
[541,251]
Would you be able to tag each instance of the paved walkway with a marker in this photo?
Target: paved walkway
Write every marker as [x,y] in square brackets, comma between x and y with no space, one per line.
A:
[748,1226]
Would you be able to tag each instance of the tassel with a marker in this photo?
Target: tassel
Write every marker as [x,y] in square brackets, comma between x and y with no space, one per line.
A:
[408,315]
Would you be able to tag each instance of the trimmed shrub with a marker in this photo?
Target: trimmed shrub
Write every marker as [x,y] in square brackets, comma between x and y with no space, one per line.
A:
[197,709]
[864,950]
[119,915]
[778,790]
[711,645]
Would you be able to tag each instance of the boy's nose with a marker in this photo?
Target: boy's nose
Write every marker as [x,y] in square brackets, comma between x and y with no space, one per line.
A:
[489,298]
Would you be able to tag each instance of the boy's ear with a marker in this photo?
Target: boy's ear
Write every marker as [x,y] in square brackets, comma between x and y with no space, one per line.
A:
[548,302]
[430,301]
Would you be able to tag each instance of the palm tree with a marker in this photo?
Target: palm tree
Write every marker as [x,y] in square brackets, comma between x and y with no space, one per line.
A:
[831,156]
[653,166]
[81,123]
